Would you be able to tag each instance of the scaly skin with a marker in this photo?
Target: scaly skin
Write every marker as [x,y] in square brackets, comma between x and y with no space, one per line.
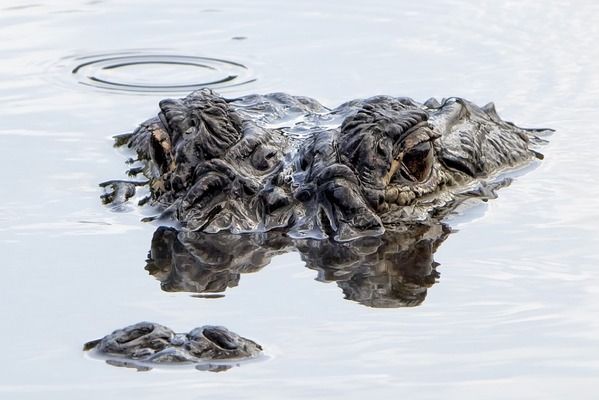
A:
[147,343]
[262,163]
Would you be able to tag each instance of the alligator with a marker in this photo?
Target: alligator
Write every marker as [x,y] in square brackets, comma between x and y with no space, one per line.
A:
[145,344]
[392,270]
[277,162]
[360,191]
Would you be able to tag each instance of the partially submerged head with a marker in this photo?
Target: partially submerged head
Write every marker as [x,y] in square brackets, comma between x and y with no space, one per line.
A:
[222,165]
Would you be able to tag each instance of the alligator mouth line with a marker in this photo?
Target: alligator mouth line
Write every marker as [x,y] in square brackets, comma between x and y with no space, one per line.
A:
[406,192]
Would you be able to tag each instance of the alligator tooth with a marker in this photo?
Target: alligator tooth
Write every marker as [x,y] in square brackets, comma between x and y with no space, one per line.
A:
[405,198]
[391,195]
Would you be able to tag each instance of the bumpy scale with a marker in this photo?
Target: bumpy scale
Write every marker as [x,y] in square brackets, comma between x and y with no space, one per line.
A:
[266,162]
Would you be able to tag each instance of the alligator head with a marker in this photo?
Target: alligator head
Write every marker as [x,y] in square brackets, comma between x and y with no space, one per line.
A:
[260,163]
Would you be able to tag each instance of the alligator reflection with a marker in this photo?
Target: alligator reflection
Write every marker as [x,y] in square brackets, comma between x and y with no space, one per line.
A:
[392,270]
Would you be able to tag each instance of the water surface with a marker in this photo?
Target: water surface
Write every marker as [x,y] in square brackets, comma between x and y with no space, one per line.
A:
[514,312]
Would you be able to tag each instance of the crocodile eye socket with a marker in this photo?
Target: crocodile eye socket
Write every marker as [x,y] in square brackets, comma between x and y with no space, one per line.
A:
[417,163]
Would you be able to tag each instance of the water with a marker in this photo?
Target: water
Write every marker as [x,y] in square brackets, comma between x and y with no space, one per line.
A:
[122,71]
[514,314]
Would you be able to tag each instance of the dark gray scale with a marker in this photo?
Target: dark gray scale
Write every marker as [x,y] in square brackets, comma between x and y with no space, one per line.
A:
[279,162]
[147,343]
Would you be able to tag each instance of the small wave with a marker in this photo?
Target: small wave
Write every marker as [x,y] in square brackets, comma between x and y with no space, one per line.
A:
[158,73]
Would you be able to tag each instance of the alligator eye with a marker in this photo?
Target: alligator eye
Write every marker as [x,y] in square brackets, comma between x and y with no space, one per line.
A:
[417,163]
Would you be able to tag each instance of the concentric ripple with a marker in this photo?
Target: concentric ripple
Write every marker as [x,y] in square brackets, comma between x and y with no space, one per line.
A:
[151,73]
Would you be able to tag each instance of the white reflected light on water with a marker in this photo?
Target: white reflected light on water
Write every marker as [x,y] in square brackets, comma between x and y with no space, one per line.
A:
[514,314]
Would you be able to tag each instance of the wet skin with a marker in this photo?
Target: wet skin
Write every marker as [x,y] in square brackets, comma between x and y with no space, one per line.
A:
[278,162]
[261,175]
[146,343]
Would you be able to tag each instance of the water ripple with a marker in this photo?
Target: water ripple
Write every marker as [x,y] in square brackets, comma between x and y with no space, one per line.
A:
[157,73]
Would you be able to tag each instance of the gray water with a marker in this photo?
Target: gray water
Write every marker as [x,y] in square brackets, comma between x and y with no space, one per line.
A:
[515,312]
